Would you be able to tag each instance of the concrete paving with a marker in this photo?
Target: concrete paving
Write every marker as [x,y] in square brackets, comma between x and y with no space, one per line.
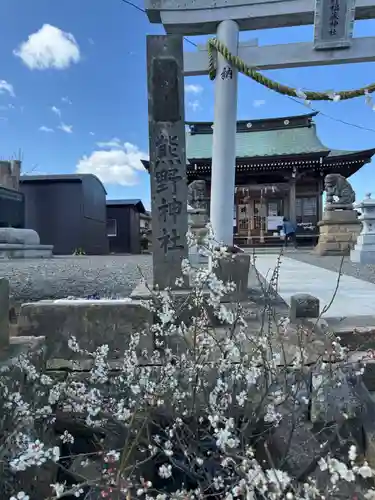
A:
[355,297]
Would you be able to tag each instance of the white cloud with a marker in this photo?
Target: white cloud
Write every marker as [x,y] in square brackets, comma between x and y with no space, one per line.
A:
[55,110]
[43,128]
[66,128]
[194,105]
[258,102]
[49,47]
[193,89]
[92,133]
[91,41]
[6,87]
[66,100]
[113,143]
[118,165]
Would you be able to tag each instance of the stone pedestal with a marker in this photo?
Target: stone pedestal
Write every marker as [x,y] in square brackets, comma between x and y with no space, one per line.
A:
[338,232]
[21,244]
[235,269]
[197,221]
[364,249]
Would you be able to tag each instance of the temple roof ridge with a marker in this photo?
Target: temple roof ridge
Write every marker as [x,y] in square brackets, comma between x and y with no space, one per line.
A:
[281,139]
[255,125]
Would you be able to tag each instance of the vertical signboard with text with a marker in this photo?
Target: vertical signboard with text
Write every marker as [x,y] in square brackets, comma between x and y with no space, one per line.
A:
[334,21]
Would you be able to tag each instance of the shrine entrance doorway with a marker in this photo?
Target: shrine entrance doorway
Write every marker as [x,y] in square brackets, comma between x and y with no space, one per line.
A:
[260,214]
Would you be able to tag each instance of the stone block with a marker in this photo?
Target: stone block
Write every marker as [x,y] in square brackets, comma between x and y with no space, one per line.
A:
[303,305]
[368,421]
[236,269]
[196,257]
[362,256]
[366,239]
[197,219]
[340,216]
[338,232]
[19,236]
[333,396]
[332,248]
[92,322]
[18,251]
[4,313]
[356,338]
[293,444]
[344,237]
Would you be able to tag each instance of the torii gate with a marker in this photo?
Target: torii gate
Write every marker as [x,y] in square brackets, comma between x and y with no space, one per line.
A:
[333,44]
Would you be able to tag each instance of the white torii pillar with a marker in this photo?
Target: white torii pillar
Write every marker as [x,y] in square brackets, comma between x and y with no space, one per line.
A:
[223,168]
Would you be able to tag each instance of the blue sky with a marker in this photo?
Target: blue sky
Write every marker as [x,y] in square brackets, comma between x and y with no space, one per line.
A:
[85,106]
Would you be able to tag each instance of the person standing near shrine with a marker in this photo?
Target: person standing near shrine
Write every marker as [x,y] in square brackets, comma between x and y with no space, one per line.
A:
[290,232]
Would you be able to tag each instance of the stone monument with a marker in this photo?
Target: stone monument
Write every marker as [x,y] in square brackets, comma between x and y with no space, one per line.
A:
[339,227]
[18,242]
[364,250]
[167,158]
[197,219]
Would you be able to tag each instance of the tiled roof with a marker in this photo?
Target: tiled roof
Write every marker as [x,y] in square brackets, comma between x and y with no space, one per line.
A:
[291,141]
[344,152]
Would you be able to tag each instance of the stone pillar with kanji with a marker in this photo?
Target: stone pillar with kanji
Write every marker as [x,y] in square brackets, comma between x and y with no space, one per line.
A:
[167,158]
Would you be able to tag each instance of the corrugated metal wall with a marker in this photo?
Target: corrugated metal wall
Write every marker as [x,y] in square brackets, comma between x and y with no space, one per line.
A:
[67,214]
[55,210]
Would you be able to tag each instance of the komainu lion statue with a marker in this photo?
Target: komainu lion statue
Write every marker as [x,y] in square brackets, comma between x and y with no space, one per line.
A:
[197,194]
[339,192]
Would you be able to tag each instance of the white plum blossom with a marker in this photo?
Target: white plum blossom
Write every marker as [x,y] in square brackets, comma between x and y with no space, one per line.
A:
[20,496]
[165,471]
[352,453]
[58,489]
[66,437]
[197,406]
[35,453]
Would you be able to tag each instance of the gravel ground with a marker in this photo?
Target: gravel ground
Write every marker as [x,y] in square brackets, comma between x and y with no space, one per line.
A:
[60,277]
[116,276]
[332,263]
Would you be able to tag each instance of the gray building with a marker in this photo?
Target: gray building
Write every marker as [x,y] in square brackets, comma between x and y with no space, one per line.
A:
[123,225]
[67,211]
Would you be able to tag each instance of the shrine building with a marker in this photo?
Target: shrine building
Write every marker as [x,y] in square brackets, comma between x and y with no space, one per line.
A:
[280,168]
